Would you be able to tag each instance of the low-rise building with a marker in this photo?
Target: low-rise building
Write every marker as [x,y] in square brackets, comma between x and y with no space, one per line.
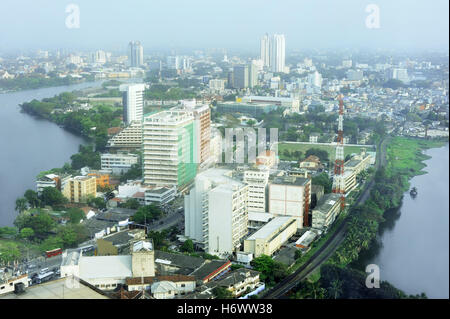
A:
[326,211]
[239,281]
[306,239]
[79,188]
[179,285]
[271,236]
[118,163]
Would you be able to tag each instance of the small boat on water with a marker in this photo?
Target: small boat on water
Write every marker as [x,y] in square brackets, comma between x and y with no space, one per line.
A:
[413,192]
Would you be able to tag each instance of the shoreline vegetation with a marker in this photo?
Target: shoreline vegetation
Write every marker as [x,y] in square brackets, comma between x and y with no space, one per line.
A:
[338,278]
[36,228]
[23,83]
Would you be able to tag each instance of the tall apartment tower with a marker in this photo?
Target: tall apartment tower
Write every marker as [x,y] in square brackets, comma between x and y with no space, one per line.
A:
[133,102]
[257,181]
[169,148]
[202,118]
[240,76]
[216,212]
[135,54]
[265,50]
[277,53]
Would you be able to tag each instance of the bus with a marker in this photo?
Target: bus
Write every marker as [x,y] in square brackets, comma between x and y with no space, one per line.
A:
[54,252]
[87,248]
[44,277]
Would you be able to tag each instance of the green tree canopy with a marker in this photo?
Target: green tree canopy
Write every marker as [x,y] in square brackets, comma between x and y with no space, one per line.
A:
[52,196]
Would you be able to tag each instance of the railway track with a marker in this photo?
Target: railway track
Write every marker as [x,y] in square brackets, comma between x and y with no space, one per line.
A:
[327,250]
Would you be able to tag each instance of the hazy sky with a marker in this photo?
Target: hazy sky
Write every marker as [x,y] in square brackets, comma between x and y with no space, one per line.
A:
[233,24]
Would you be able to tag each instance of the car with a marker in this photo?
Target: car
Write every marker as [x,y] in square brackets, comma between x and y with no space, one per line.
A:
[31,266]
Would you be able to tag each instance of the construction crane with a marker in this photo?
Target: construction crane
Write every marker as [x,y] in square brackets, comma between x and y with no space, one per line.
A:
[338,178]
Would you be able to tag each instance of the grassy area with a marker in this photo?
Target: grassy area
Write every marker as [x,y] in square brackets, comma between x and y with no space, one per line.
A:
[23,247]
[329,148]
[405,155]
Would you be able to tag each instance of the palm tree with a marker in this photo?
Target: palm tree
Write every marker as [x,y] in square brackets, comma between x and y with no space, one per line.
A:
[21,204]
[335,289]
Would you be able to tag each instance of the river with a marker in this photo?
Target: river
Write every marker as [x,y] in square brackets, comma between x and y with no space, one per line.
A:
[412,248]
[29,145]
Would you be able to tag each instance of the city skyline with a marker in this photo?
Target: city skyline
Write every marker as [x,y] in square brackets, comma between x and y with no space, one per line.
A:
[176,25]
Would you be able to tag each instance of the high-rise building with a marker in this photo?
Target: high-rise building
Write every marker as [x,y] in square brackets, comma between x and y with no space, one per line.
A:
[265,50]
[257,181]
[315,79]
[240,76]
[133,102]
[202,119]
[399,74]
[135,54]
[290,196]
[277,53]
[169,148]
[216,212]
[253,74]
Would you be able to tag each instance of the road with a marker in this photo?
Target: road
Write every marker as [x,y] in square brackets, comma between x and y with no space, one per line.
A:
[330,246]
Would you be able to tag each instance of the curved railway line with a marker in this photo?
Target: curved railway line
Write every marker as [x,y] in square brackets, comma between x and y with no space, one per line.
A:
[330,246]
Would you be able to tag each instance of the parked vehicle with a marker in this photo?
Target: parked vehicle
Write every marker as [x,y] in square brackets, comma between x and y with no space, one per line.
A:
[54,252]
[44,277]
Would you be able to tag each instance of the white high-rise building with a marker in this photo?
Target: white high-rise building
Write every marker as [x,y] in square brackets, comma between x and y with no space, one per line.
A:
[216,212]
[133,102]
[265,50]
[277,53]
[135,54]
[257,181]
[169,148]
[315,80]
[399,74]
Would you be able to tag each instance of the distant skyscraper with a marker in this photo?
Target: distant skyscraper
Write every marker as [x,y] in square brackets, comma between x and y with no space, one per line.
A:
[252,74]
[135,54]
[240,76]
[265,50]
[133,102]
[277,53]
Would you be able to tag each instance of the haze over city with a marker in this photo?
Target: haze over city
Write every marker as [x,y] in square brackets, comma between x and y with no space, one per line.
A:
[233,25]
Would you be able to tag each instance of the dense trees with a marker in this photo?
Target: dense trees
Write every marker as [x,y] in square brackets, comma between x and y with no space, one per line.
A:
[39,221]
[271,271]
[86,157]
[146,214]
[34,81]
[52,196]
[222,293]
[323,180]
[188,246]
[321,154]
[75,215]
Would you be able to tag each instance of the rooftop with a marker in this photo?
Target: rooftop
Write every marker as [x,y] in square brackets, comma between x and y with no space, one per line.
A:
[151,280]
[58,289]
[105,267]
[209,268]
[271,227]
[291,180]
[327,202]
